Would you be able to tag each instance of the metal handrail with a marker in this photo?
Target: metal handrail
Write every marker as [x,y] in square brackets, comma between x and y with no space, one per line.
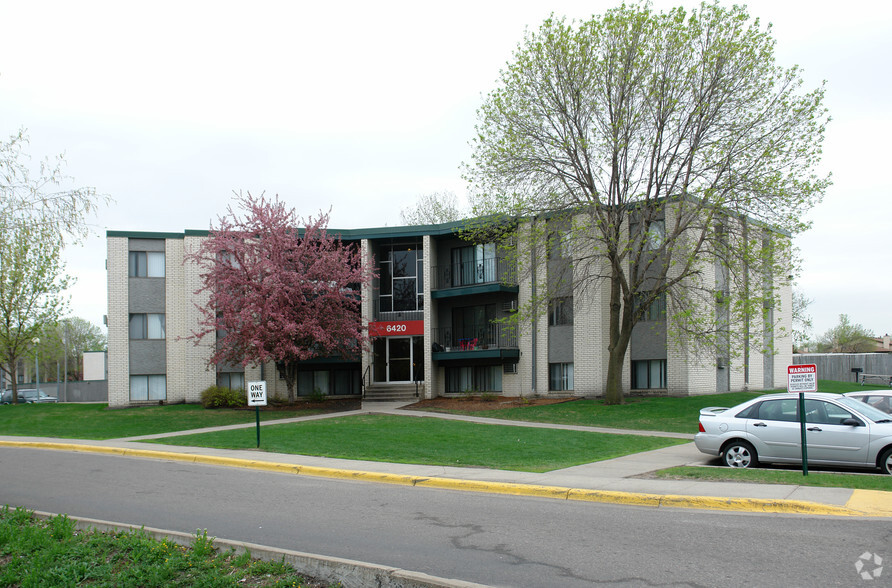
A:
[366,373]
[471,273]
[475,336]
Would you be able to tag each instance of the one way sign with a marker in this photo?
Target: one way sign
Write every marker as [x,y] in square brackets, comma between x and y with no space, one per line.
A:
[256,393]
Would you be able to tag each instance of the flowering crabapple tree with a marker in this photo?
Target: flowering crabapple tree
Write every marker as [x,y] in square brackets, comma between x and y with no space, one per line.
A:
[279,289]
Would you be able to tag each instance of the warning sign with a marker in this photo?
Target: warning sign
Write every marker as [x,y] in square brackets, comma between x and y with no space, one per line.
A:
[802,378]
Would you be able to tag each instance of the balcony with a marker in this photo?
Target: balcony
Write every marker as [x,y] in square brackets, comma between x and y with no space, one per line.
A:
[387,312]
[491,340]
[474,277]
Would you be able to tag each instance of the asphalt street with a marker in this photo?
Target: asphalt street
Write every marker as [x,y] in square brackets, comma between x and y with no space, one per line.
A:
[490,539]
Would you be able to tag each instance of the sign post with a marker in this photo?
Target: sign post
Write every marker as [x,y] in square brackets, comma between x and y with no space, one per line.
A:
[802,379]
[257,398]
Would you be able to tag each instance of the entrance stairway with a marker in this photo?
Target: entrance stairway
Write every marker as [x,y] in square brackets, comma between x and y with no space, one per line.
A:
[378,392]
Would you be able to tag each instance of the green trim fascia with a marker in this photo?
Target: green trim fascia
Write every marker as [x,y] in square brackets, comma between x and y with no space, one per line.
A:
[328,361]
[471,290]
[144,235]
[476,354]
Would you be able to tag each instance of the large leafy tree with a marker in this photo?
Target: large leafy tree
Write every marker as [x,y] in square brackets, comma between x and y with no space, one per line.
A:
[72,336]
[280,289]
[675,141]
[39,215]
[32,285]
[847,337]
[432,209]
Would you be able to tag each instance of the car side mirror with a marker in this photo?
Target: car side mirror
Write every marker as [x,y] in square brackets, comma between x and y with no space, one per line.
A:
[852,422]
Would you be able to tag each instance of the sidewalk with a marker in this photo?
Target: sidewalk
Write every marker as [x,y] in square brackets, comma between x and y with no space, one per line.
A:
[612,480]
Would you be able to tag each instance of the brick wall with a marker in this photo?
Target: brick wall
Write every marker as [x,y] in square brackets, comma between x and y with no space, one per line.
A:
[118,328]
[197,375]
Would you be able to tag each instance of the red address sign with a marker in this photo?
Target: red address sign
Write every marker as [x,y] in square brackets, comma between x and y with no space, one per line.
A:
[396,328]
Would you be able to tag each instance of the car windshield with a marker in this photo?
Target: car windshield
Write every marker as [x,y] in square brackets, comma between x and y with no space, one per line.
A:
[867,410]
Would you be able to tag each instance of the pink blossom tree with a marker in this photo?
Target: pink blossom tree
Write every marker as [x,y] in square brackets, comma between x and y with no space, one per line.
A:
[278,292]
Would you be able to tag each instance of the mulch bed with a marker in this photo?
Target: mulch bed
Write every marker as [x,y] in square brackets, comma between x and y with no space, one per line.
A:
[475,403]
[327,405]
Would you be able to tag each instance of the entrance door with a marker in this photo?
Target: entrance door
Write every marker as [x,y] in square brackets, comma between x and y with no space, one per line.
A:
[399,359]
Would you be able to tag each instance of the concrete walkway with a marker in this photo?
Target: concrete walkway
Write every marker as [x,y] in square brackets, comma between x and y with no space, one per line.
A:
[614,480]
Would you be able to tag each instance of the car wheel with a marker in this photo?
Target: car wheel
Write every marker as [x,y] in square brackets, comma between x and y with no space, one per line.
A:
[885,462]
[739,454]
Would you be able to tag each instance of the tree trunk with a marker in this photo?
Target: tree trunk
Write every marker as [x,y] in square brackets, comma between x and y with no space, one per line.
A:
[619,336]
[12,382]
[289,373]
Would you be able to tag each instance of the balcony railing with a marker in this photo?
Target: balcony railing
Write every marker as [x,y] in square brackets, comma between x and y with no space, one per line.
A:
[385,312]
[475,337]
[471,273]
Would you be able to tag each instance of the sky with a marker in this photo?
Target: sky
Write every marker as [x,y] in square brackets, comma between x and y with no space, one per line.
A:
[360,107]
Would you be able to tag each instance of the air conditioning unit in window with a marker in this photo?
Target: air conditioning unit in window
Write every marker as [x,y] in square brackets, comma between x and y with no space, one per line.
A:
[509,306]
[509,368]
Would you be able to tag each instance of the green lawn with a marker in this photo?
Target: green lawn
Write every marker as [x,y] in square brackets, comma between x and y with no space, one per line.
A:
[95,421]
[36,552]
[676,414]
[779,476]
[432,441]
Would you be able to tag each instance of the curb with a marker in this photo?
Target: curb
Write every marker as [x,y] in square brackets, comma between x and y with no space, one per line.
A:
[862,503]
[347,572]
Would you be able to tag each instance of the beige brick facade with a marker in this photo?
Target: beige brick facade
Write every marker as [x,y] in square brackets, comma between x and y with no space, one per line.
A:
[118,317]
[687,372]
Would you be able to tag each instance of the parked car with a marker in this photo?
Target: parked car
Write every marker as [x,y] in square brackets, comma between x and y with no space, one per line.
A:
[840,431]
[28,396]
[881,399]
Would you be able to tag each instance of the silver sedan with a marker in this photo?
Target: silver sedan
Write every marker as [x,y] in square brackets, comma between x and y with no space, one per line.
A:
[840,431]
[881,399]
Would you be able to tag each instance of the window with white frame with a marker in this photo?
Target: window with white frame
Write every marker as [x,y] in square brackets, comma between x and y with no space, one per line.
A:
[147,388]
[560,311]
[560,376]
[656,310]
[648,373]
[480,378]
[146,264]
[231,380]
[147,326]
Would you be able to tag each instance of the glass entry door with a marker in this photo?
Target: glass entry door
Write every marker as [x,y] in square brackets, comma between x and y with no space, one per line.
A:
[399,359]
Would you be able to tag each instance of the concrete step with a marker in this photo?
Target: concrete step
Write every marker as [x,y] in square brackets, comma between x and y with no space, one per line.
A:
[392,392]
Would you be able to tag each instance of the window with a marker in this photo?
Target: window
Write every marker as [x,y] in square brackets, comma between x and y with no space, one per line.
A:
[401,281]
[786,409]
[328,382]
[481,378]
[474,265]
[147,388]
[560,376]
[146,264]
[560,311]
[146,326]
[648,373]
[473,325]
[231,380]
[656,310]
[656,235]
[558,244]
[825,413]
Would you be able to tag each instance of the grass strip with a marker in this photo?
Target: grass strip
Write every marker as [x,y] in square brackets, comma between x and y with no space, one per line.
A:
[432,441]
[35,553]
[778,476]
[671,414]
[96,421]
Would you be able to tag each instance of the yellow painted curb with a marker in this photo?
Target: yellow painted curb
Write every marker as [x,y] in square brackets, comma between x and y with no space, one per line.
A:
[615,497]
[494,487]
[875,503]
[862,502]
